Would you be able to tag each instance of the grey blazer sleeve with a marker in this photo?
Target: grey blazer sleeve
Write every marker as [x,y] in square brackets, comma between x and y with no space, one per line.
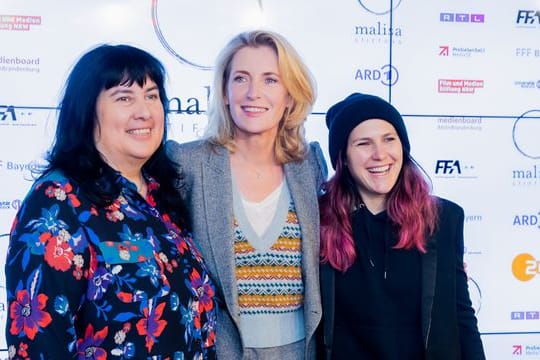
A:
[317,162]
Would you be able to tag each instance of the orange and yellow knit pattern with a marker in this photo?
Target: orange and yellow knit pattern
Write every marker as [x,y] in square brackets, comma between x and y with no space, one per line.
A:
[270,281]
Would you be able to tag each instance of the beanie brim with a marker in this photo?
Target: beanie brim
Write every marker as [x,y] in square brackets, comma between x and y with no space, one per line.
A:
[345,115]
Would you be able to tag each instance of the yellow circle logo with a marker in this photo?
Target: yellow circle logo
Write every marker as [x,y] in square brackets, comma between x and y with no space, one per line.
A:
[524,267]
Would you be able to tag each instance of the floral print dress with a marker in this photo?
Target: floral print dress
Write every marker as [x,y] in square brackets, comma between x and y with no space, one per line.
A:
[120,282]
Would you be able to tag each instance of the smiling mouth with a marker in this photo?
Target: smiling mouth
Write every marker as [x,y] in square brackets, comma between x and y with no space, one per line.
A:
[145,131]
[254,109]
[380,169]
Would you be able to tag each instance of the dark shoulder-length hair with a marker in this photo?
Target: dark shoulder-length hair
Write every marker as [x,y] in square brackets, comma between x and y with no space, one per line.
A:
[74,150]
[412,211]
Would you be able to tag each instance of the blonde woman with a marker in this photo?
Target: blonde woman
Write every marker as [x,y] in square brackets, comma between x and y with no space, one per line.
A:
[252,186]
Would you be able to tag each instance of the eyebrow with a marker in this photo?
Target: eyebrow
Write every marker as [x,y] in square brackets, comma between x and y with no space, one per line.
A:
[390,133]
[127,90]
[121,90]
[264,73]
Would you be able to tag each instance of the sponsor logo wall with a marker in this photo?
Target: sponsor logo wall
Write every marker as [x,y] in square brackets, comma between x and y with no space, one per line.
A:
[465,75]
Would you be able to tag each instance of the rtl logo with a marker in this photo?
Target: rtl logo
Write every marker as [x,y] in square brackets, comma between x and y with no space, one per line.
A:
[447,167]
[462,17]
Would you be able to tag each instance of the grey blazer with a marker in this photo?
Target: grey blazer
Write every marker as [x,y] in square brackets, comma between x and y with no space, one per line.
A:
[208,191]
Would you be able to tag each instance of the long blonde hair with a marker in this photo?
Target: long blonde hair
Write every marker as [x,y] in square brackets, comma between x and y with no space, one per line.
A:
[297,79]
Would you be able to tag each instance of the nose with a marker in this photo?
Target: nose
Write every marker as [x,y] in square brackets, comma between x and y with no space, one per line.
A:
[253,91]
[142,109]
[379,151]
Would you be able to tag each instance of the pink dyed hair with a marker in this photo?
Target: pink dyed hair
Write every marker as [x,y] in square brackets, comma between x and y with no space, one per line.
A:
[410,206]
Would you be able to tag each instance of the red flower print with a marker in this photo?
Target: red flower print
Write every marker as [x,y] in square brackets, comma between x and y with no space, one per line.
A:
[182,246]
[44,237]
[88,348]
[202,289]
[210,340]
[28,315]
[50,191]
[151,325]
[22,350]
[74,201]
[58,254]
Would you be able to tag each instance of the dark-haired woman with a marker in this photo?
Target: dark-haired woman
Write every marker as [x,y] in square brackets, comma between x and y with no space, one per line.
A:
[392,281]
[100,264]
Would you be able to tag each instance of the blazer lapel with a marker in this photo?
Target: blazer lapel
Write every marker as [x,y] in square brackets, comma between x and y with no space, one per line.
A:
[302,188]
[429,272]
[217,190]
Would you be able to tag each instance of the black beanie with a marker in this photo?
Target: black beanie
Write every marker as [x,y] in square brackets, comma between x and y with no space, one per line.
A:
[345,115]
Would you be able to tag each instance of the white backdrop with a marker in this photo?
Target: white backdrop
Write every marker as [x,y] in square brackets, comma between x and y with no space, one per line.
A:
[465,74]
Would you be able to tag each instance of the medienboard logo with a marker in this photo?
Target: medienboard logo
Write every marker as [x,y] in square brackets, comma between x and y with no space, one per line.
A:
[459,86]
[459,123]
[19,64]
[378,7]
[19,22]
[387,75]
[451,17]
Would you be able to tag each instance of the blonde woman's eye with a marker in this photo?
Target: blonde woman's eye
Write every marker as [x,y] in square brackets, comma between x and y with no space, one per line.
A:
[271,81]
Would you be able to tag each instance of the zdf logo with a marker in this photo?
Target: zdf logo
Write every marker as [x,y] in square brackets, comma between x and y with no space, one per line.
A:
[525,267]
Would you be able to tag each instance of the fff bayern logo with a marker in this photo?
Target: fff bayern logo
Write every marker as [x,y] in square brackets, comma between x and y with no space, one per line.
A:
[194,31]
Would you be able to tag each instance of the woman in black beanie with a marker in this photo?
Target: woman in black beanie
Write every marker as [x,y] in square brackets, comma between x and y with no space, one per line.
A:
[392,276]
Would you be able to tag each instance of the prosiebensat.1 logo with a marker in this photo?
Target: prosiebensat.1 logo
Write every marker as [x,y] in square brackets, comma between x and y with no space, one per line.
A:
[525,267]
